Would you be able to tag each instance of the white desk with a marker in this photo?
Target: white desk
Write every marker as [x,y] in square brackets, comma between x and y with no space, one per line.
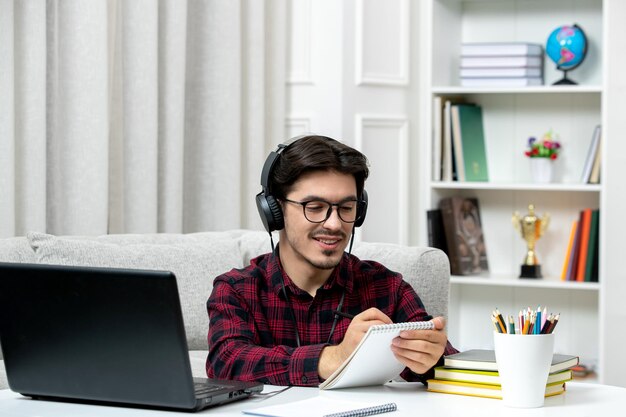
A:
[580,399]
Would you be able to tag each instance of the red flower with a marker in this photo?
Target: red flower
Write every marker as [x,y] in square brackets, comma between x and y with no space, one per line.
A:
[553,156]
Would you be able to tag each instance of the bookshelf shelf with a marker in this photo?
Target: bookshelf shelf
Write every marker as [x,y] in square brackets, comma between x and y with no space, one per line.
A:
[509,281]
[455,185]
[546,89]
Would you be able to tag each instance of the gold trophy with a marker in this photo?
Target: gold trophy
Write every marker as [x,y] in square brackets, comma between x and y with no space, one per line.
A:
[531,228]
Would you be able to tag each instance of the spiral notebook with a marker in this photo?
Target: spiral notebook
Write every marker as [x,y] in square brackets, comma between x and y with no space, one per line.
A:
[321,406]
[373,362]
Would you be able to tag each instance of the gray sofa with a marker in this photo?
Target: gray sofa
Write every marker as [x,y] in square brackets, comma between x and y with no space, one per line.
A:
[196,258]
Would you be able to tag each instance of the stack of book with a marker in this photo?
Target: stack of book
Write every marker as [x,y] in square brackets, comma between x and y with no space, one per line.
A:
[475,373]
[581,258]
[459,146]
[502,64]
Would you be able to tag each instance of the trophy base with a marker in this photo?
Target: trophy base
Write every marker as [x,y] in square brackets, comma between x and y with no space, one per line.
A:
[531,271]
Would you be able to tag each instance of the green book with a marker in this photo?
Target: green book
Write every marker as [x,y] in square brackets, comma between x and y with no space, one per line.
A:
[592,247]
[489,377]
[472,139]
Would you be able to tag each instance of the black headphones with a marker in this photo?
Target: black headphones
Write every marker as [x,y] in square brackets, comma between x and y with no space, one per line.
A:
[269,208]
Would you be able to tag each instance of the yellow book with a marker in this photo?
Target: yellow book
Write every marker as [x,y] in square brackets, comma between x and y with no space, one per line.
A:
[489,377]
[482,390]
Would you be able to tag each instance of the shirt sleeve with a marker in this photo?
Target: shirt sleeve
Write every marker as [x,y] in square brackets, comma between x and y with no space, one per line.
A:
[235,353]
[411,308]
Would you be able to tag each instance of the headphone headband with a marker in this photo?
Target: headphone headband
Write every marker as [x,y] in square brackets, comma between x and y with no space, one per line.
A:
[267,205]
[268,166]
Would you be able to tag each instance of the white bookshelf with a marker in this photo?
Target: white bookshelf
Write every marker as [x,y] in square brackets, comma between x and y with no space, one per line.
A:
[510,116]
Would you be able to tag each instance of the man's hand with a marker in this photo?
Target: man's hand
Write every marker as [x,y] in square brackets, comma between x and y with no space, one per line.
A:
[333,356]
[420,350]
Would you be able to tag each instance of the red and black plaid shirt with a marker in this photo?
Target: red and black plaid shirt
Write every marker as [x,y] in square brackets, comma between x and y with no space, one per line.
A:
[252,330]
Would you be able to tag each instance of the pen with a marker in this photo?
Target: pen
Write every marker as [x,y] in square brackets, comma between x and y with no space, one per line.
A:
[351,316]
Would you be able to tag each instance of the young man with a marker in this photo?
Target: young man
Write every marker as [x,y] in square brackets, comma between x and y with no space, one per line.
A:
[275,321]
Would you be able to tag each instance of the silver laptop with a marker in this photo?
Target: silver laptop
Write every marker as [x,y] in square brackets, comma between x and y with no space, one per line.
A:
[101,335]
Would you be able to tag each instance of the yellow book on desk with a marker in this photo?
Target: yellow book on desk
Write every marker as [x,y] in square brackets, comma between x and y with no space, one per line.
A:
[489,377]
[482,390]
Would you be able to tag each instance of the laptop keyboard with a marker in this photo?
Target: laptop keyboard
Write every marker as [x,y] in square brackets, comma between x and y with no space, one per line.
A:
[205,389]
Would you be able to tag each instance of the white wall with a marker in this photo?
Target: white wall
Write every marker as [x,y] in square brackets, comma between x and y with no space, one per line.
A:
[353,76]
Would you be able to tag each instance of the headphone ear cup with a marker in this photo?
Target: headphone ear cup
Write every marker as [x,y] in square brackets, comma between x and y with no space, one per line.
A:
[278,222]
[270,212]
[360,216]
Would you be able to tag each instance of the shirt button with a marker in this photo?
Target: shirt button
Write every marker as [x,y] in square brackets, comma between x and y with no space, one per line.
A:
[305,379]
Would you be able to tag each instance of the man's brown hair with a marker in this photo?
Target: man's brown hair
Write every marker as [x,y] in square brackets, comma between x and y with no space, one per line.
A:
[316,153]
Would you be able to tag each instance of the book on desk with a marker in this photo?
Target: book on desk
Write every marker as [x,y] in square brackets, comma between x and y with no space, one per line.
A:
[485,360]
[323,406]
[490,377]
[475,372]
[482,390]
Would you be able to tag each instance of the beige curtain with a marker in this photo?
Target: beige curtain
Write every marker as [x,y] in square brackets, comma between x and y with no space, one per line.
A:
[137,116]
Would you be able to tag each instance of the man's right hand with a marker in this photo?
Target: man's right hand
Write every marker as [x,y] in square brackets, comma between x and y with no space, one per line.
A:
[333,356]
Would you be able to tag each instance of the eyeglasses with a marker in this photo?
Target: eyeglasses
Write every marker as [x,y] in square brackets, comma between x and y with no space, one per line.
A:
[318,211]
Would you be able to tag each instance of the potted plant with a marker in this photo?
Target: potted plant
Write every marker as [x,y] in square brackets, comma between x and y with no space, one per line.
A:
[542,154]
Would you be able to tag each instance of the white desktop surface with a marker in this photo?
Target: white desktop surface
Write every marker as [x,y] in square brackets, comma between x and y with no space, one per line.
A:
[580,399]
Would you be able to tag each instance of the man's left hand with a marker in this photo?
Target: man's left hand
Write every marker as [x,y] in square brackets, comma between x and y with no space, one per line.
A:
[420,350]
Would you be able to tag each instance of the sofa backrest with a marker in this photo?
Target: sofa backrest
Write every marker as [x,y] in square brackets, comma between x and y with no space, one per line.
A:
[426,269]
[197,258]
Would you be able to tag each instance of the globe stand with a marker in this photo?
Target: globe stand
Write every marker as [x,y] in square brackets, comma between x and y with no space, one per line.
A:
[565,80]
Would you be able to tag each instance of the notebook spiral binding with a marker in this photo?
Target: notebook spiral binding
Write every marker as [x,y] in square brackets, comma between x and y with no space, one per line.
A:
[415,325]
[368,411]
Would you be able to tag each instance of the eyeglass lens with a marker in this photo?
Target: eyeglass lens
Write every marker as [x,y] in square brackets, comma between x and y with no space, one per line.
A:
[320,211]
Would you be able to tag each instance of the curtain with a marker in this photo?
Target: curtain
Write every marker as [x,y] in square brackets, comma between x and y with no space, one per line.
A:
[137,116]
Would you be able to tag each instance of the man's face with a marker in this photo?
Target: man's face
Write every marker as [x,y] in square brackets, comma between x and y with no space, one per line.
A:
[309,247]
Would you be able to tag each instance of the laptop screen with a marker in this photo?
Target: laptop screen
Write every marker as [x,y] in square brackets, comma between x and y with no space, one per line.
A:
[94,334]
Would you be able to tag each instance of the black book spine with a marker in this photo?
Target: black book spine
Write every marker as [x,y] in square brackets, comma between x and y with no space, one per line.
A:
[436,233]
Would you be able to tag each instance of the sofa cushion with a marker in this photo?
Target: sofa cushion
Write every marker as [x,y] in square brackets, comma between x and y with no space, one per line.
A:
[195,262]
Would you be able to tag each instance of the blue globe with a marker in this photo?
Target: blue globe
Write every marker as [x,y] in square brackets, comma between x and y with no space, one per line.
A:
[567,47]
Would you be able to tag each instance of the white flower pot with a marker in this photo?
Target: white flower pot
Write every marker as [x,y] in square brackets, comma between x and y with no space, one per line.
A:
[541,169]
